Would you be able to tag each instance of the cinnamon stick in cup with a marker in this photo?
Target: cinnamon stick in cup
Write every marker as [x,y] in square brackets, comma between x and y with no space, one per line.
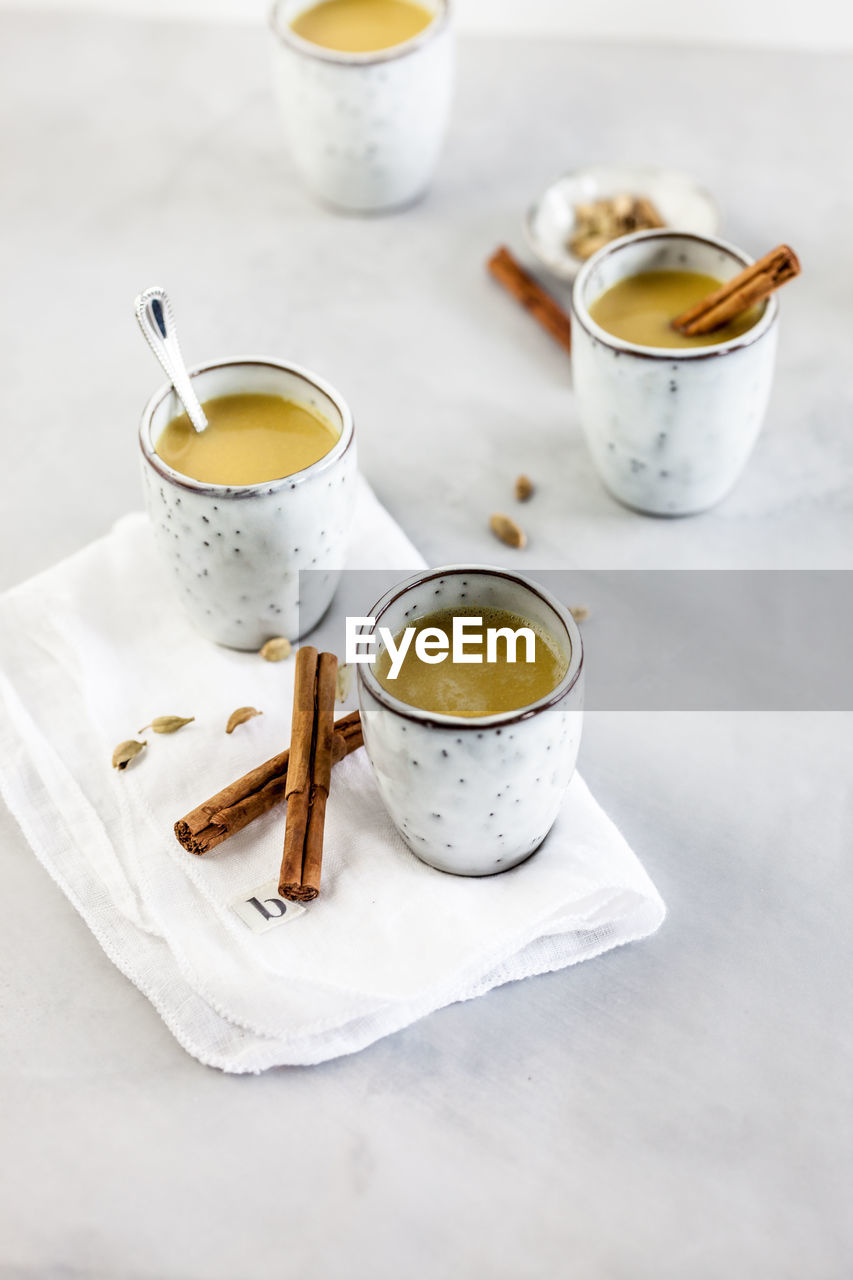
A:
[309,774]
[258,791]
[746,289]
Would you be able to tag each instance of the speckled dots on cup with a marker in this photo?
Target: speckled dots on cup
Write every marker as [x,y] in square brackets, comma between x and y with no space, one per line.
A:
[474,796]
[364,129]
[670,429]
[235,552]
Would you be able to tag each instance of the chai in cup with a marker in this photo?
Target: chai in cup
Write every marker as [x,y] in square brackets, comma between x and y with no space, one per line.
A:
[472,760]
[266,491]
[670,421]
[249,438]
[640,309]
[364,88]
[361,26]
[504,663]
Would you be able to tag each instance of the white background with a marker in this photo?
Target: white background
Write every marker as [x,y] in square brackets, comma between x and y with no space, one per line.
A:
[820,24]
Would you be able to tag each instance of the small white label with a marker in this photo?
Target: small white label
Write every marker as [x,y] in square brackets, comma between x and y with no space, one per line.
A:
[263,908]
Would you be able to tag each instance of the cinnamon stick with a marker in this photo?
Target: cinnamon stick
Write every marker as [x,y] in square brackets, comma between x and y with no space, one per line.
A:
[309,774]
[745,290]
[321,775]
[258,791]
[298,789]
[509,272]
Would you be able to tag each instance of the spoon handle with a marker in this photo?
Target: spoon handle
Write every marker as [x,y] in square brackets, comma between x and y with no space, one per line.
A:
[157,322]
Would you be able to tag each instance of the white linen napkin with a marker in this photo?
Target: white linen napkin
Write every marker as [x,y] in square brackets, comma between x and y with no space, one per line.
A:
[96,647]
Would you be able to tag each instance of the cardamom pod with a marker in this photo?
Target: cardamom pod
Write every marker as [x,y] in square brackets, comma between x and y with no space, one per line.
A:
[580,613]
[276,649]
[240,716]
[167,724]
[343,682]
[507,530]
[127,751]
[523,488]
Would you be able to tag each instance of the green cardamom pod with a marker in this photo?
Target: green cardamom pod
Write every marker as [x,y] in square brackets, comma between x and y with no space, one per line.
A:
[343,682]
[276,649]
[240,716]
[125,752]
[168,724]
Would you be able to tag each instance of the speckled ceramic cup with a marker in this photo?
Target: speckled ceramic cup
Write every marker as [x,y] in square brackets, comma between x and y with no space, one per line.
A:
[670,430]
[474,796]
[236,551]
[364,129]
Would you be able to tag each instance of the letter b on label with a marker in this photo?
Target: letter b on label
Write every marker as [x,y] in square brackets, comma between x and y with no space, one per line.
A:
[262,908]
[280,907]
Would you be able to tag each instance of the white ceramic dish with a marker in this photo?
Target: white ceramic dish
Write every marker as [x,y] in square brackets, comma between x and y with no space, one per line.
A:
[548,225]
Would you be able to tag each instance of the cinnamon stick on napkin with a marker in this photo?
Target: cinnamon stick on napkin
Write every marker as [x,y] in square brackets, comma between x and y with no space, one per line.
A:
[309,773]
[258,791]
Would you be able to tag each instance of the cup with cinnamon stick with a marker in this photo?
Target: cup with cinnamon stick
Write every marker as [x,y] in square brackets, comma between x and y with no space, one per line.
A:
[674,342]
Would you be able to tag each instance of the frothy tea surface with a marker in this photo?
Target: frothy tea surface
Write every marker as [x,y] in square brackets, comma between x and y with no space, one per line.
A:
[361,26]
[474,689]
[249,439]
[641,309]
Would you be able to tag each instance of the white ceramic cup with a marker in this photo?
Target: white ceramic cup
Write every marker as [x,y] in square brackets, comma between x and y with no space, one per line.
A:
[236,551]
[474,796]
[364,129]
[669,429]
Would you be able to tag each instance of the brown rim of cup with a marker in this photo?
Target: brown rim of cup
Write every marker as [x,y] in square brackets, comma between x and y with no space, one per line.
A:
[337,451]
[285,33]
[432,719]
[580,311]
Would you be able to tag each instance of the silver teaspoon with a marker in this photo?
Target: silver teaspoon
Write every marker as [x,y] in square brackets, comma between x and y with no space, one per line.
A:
[157,322]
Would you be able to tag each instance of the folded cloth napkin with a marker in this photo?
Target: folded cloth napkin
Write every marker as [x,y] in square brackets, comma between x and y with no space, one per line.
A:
[96,647]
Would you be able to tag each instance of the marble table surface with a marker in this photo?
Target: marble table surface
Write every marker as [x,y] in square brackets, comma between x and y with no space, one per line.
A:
[680,1108]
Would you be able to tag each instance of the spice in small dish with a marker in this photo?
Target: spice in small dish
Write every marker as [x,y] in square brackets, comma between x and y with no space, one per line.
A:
[600,221]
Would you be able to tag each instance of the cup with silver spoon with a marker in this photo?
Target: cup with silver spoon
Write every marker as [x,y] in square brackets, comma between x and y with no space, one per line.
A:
[238,549]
